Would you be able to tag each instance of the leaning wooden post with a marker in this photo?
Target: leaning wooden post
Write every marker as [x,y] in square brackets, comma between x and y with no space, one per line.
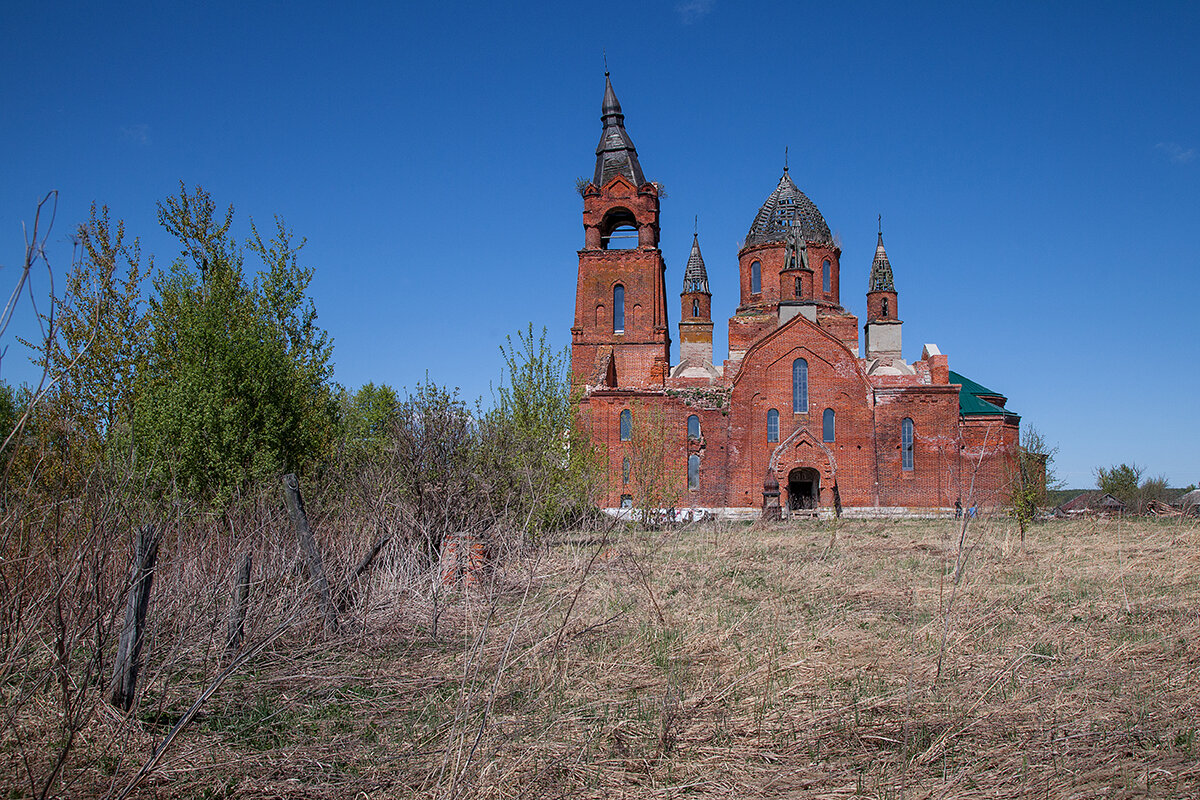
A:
[129,648]
[241,602]
[308,546]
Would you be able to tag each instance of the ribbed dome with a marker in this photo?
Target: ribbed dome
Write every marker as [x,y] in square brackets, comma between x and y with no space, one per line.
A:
[788,206]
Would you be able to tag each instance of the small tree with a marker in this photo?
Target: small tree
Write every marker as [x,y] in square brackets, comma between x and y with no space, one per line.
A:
[234,384]
[1122,482]
[1152,490]
[654,461]
[536,440]
[1032,476]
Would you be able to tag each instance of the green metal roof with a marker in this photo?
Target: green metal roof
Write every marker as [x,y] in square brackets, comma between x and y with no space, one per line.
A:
[973,387]
[969,401]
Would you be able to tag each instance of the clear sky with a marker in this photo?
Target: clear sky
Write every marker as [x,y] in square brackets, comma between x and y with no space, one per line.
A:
[1037,167]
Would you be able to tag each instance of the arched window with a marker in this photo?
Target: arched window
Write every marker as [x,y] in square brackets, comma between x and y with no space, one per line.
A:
[618,309]
[626,425]
[693,427]
[773,425]
[826,277]
[827,426]
[695,307]
[693,471]
[906,444]
[799,288]
[799,386]
[885,307]
[755,278]
[625,472]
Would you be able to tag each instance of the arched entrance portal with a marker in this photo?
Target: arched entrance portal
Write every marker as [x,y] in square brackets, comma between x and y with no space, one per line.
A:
[804,488]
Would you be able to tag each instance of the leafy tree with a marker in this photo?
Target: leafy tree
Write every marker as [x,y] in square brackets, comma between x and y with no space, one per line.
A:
[10,412]
[535,439]
[367,416]
[96,335]
[1122,482]
[233,386]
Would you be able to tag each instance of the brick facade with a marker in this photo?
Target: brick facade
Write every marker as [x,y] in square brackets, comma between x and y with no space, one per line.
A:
[863,430]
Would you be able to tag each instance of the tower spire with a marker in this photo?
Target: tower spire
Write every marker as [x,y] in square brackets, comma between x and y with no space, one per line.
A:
[695,277]
[615,155]
[881,268]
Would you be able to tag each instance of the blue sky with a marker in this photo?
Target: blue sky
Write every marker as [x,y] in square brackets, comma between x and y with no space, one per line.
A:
[1037,168]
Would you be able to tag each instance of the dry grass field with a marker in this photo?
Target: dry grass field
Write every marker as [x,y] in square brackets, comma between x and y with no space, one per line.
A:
[810,660]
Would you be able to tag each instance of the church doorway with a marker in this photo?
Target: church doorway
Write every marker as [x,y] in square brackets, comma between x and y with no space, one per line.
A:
[804,488]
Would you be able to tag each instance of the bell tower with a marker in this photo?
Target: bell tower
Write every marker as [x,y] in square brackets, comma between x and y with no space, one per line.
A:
[620,337]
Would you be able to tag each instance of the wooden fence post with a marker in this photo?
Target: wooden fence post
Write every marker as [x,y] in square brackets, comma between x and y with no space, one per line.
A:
[129,648]
[308,546]
[241,603]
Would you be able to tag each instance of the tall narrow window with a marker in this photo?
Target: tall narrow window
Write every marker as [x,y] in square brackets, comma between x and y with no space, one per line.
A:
[695,308]
[618,309]
[773,425]
[826,277]
[885,307]
[799,386]
[755,278]
[799,288]
[827,425]
[693,427]
[625,472]
[693,471]
[906,444]
[626,425]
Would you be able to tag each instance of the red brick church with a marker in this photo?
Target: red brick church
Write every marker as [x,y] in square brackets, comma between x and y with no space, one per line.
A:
[801,416]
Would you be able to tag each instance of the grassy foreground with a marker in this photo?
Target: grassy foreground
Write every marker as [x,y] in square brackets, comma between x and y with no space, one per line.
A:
[731,661]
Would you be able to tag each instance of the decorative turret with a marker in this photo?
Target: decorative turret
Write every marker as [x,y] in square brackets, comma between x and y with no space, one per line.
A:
[881,296]
[695,317]
[615,155]
[883,325]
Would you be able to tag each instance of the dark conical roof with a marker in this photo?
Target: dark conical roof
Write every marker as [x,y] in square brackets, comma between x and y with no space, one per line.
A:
[695,277]
[615,154]
[788,206]
[881,270]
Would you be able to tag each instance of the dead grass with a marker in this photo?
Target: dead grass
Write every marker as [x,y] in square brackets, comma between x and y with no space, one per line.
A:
[727,661]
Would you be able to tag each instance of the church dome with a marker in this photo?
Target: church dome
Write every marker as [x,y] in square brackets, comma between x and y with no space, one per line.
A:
[788,206]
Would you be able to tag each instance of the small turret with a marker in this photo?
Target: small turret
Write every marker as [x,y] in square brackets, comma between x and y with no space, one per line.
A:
[695,315]
[883,324]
